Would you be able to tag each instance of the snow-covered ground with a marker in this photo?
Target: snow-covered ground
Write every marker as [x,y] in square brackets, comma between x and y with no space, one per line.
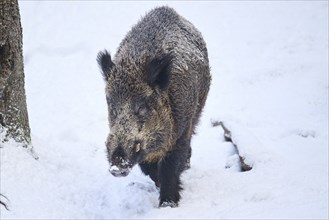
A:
[270,82]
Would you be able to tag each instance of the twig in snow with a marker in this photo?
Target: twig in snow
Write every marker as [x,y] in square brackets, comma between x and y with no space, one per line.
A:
[31,151]
[3,203]
[228,138]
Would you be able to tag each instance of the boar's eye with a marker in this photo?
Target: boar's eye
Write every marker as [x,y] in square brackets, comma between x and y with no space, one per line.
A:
[140,110]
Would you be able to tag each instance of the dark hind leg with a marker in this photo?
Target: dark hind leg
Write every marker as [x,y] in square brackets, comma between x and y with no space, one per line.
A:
[187,145]
[188,157]
[151,169]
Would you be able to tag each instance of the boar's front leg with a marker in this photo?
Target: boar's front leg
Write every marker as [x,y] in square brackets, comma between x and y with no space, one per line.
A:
[170,170]
[151,169]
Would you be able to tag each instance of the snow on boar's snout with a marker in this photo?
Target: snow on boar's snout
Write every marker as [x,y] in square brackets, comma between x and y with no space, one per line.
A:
[121,160]
[156,88]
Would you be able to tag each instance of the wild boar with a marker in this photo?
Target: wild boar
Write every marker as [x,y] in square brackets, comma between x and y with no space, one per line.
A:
[156,88]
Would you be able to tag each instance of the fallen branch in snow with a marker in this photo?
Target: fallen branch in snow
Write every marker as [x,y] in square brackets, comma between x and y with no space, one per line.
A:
[31,151]
[3,203]
[228,137]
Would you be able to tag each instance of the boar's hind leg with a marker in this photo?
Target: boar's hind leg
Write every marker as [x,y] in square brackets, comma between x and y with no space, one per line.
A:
[188,159]
[151,169]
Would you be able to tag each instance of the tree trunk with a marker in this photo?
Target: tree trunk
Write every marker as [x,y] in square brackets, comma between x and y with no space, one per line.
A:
[14,123]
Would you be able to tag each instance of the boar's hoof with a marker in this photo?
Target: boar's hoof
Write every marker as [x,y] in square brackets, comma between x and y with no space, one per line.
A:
[170,204]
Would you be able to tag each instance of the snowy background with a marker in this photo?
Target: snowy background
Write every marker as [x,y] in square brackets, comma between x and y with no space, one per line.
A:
[270,82]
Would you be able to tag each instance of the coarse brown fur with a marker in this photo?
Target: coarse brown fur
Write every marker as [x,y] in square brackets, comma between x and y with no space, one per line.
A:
[156,87]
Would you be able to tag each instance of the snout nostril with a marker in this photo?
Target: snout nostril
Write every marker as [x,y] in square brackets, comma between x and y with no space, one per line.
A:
[117,172]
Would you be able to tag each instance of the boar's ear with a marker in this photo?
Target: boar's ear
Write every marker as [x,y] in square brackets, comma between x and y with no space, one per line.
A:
[158,72]
[105,63]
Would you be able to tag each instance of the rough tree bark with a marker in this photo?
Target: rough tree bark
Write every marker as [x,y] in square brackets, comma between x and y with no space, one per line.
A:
[14,123]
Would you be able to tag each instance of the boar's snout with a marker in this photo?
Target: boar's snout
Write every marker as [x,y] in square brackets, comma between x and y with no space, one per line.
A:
[120,164]
[119,172]
[120,167]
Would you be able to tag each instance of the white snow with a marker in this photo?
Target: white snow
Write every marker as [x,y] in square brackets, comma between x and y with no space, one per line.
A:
[269,64]
[114,168]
